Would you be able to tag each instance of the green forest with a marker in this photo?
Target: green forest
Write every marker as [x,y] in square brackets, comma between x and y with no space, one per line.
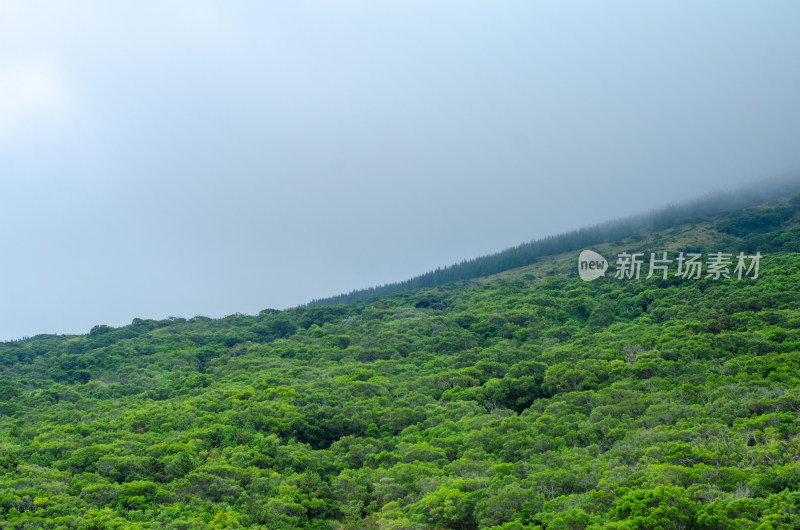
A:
[518,399]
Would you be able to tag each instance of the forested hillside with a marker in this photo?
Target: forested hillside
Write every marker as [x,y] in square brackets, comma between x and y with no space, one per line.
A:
[530,399]
[691,212]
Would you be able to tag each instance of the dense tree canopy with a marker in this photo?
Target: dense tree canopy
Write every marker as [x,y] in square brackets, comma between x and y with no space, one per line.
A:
[529,400]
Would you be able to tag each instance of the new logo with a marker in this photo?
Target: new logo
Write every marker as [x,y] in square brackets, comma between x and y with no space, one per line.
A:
[591,265]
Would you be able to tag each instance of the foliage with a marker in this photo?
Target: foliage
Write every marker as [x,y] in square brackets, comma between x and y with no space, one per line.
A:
[512,403]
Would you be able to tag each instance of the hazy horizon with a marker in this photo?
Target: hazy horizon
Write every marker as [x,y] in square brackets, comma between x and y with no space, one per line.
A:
[206,158]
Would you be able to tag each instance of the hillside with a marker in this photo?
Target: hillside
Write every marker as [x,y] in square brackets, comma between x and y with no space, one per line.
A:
[690,212]
[524,399]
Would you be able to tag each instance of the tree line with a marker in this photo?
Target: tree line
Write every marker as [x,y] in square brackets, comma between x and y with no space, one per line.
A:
[609,231]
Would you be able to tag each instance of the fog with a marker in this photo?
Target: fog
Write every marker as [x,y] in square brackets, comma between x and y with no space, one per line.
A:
[182,158]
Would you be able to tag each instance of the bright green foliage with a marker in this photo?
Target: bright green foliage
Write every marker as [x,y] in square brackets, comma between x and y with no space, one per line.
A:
[527,400]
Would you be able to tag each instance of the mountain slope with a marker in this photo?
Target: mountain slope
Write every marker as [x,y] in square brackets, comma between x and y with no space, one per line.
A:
[528,253]
[529,399]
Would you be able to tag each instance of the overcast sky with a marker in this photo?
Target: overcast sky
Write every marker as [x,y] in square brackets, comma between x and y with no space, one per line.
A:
[176,158]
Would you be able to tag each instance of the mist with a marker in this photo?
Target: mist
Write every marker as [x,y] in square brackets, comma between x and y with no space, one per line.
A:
[182,158]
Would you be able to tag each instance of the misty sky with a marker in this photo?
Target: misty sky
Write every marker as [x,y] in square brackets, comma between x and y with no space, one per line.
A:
[176,158]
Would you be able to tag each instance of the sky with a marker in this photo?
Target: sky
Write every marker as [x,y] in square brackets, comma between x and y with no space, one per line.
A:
[182,158]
